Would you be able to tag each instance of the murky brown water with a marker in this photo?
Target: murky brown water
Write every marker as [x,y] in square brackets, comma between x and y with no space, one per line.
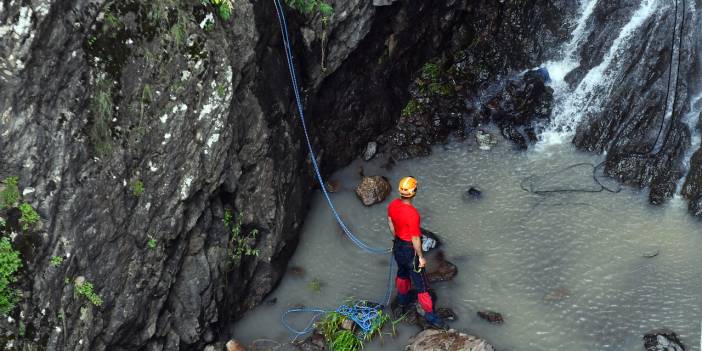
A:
[513,250]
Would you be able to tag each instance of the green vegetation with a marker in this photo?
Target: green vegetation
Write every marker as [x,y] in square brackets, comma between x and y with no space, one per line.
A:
[86,289]
[430,80]
[310,6]
[152,243]
[430,71]
[2,224]
[412,107]
[340,339]
[10,195]
[10,264]
[315,285]
[29,216]
[224,8]
[345,340]
[56,261]
[239,245]
[137,188]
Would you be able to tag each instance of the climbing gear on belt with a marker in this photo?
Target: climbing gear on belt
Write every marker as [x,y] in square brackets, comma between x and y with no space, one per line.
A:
[408,187]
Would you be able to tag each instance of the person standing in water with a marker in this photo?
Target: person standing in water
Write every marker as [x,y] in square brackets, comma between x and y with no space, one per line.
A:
[403,220]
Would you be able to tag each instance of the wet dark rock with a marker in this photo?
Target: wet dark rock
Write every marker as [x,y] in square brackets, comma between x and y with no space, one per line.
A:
[662,340]
[692,189]
[373,190]
[314,342]
[471,194]
[439,269]
[650,254]
[451,340]
[644,149]
[491,316]
[271,302]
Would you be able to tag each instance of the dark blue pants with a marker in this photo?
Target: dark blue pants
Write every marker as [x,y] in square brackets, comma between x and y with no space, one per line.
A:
[407,260]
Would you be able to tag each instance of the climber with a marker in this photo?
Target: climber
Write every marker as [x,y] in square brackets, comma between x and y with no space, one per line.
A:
[403,220]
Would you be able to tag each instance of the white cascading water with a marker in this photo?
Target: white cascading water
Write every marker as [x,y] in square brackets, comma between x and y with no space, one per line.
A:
[572,104]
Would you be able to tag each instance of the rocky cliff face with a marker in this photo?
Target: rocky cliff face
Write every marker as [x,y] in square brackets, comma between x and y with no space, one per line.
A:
[644,144]
[135,127]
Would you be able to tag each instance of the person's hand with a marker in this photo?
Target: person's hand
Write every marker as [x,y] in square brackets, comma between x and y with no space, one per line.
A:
[422,262]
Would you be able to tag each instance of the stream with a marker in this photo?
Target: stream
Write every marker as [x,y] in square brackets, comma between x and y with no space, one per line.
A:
[568,271]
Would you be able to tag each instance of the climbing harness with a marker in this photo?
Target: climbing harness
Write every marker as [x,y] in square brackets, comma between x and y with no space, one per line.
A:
[361,312]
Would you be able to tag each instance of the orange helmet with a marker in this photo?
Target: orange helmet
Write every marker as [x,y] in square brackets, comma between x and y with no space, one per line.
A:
[408,187]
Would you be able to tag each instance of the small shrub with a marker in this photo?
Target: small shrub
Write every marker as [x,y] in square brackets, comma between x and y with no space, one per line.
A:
[86,289]
[137,188]
[29,217]
[56,261]
[239,245]
[152,243]
[10,195]
[10,264]
[224,8]
[411,108]
[309,6]
[430,71]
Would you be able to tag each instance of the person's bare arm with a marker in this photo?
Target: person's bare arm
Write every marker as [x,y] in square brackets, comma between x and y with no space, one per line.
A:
[392,227]
[417,244]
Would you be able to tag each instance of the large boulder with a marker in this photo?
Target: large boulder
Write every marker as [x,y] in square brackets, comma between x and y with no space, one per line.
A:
[373,190]
[439,340]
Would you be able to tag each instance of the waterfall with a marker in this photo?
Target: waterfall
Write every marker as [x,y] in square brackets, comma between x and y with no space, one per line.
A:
[572,104]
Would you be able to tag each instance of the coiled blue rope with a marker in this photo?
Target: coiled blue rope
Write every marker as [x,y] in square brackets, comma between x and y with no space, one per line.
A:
[287,46]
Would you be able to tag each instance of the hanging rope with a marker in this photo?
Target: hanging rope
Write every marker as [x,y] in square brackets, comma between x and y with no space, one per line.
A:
[316,313]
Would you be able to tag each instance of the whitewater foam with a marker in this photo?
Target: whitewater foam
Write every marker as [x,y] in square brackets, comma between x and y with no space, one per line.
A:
[586,98]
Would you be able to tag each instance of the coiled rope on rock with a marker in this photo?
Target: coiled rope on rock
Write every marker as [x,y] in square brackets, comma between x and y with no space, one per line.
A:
[360,314]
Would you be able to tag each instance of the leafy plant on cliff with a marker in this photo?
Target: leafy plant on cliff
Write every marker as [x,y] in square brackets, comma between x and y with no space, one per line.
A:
[239,245]
[85,289]
[10,264]
[56,261]
[310,6]
[10,195]
[137,188]
[29,216]
[224,8]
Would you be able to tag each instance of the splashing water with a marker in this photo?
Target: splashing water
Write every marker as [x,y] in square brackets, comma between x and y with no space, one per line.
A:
[572,105]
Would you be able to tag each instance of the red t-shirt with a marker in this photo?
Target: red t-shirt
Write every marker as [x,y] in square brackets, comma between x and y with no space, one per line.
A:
[405,220]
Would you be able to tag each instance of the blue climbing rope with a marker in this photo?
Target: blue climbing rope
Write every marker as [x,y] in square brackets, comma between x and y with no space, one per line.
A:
[362,315]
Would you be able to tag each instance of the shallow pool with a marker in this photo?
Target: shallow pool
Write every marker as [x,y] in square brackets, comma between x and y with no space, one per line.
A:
[567,270]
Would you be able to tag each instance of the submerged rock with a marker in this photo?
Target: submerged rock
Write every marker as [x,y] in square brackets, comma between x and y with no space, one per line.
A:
[557,294]
[439,340]
[472,193]
[662,340]
[373,190]
[439,269]
[492,317]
